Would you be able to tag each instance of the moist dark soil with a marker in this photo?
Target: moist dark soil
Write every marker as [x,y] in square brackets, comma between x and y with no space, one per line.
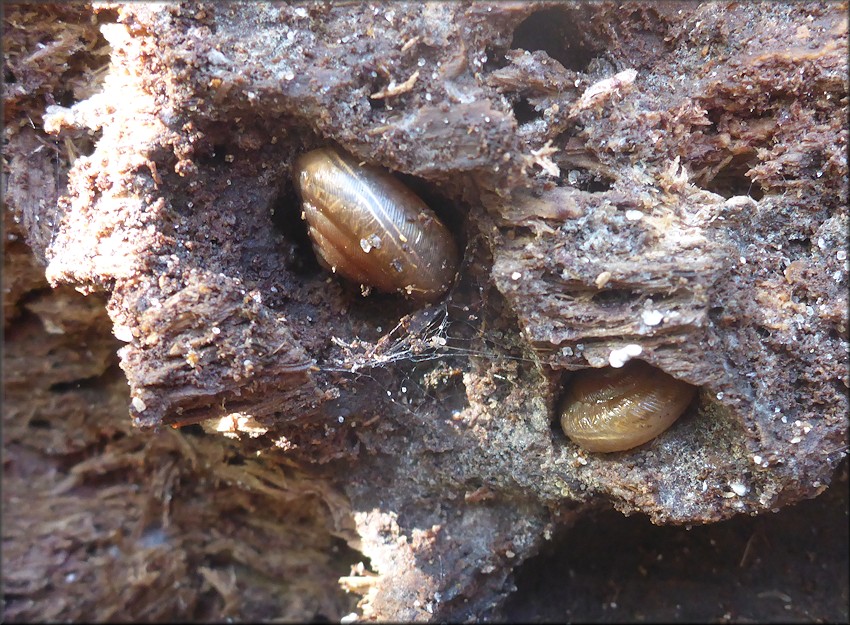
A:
[791,566]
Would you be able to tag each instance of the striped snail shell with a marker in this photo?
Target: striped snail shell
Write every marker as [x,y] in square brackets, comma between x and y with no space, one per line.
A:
[370,228]
[610,409]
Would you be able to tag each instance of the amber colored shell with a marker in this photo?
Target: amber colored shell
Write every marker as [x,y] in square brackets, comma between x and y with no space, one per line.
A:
[370,228]
[611,409]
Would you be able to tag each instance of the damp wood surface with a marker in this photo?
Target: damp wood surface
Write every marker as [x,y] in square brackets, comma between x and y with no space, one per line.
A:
[662,180]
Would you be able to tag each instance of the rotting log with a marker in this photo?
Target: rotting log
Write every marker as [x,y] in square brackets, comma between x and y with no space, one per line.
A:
[669,176]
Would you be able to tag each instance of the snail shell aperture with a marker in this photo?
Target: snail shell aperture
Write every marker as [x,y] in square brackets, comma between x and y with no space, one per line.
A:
[370,228]
[610,409]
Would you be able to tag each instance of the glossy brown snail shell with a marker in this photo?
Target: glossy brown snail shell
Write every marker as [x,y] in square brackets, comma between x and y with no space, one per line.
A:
[610,409]
[370,228]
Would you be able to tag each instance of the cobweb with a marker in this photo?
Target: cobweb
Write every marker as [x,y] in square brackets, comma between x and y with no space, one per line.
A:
[427,334]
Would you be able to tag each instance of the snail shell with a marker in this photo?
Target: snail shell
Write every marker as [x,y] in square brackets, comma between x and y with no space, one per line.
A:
[370,228]
[616,409]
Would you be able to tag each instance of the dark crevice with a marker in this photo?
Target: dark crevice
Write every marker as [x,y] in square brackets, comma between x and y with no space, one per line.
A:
[598,185]
[732,180]
[585,180]
[557,32]
[611,568]
[65,98]
[218,156]
[286,217]
[82,145]
[798,247]
[377,104]
[715,313]
[524,112]
[93,382]
[194,429]
[448,212]
[559,438]
[613,297]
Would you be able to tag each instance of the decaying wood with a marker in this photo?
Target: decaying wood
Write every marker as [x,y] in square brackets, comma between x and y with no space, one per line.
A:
[664,179]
